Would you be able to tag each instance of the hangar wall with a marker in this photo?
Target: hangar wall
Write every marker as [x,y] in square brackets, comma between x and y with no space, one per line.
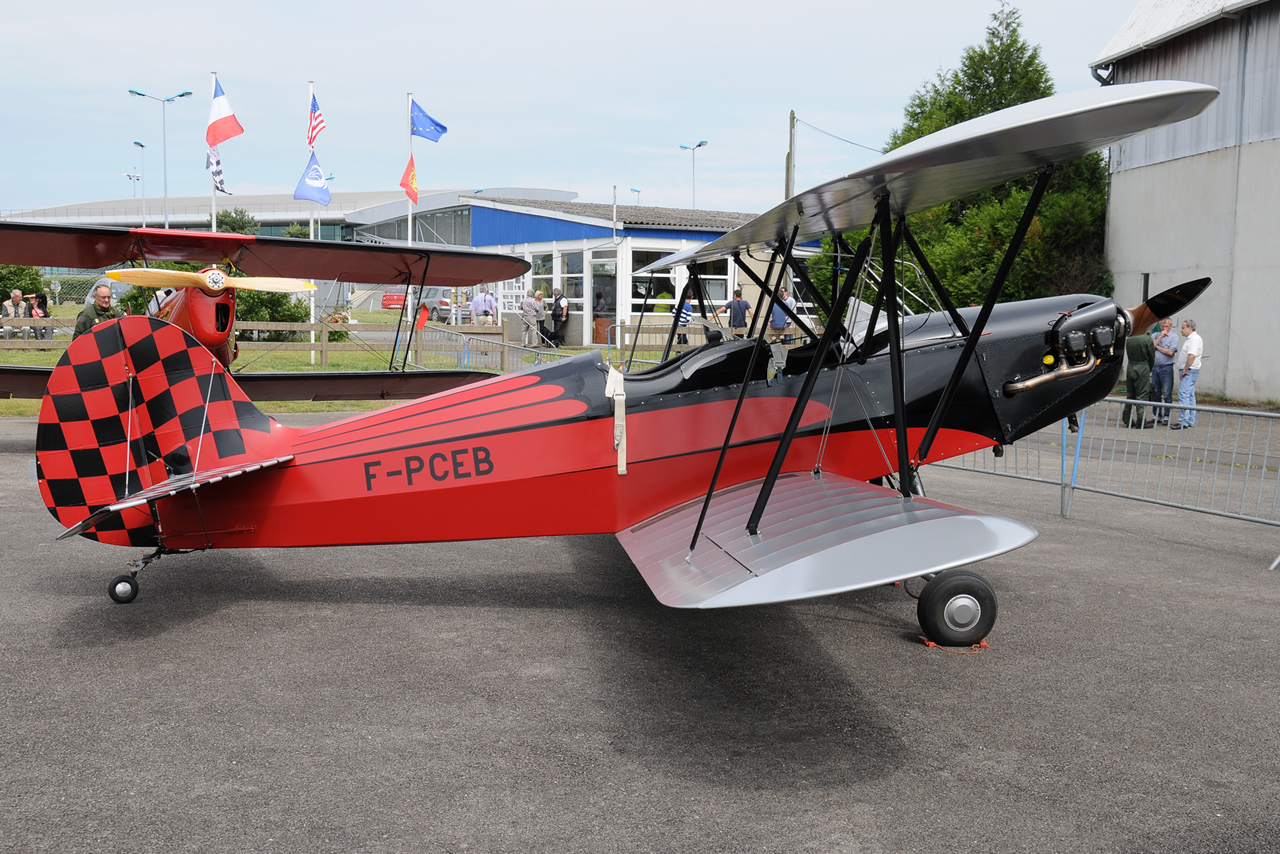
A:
[1212,214]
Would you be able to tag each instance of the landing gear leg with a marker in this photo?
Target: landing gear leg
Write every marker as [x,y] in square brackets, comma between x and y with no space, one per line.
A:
[956,608]
[124,588]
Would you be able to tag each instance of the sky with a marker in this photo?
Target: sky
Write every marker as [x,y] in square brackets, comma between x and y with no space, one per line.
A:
[580,96]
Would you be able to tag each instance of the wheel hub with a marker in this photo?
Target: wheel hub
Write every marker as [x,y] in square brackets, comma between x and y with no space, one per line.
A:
[123,588]
[962,612]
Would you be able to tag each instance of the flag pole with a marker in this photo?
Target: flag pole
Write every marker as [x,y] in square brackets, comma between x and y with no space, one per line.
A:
[409,108]
[213,184]
[311,228]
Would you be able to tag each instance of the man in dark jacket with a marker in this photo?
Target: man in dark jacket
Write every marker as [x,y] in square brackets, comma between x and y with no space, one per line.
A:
[97,311]
[1141,352]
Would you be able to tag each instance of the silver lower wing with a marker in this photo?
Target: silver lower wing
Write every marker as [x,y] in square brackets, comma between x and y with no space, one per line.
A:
[822,534]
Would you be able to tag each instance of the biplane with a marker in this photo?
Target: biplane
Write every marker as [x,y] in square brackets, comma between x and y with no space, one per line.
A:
[203,302]
[732,474]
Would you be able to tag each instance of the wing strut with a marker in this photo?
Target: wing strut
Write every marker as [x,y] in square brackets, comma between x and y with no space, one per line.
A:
[832,331]
[993,295]
[742,392]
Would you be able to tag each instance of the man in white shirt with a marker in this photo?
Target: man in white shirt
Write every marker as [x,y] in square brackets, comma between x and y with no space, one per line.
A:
[1189,357]
[483,308]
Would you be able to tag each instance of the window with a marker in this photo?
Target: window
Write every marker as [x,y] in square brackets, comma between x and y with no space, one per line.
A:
[571,278]
[604,282]
[662,292]
[715,280]
[541,274]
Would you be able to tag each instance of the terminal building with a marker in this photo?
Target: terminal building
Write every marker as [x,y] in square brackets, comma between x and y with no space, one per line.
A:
[588,251]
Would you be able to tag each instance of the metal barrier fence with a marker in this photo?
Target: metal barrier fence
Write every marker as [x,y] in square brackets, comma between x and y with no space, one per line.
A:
[643,345]
[1227,465]
[435,347]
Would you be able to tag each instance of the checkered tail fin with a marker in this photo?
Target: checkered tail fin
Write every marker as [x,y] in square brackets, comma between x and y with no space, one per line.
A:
[134,407]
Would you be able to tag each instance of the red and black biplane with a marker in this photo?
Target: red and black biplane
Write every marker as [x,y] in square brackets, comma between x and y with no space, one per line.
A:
[732,474]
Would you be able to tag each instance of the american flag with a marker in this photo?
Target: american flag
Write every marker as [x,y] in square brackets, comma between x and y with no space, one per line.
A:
[316,124]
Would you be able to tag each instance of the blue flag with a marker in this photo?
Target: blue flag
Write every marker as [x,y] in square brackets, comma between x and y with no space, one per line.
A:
[312,185]
[423,125]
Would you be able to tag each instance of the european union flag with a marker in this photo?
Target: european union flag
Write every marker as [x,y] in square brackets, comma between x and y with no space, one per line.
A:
[423,125]
[312,186]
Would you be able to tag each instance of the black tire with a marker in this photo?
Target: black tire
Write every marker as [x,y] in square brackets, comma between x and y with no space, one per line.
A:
[434,315]
[123,589]
[957,608]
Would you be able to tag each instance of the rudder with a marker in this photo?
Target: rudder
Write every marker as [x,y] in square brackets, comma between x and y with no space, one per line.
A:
[130,404]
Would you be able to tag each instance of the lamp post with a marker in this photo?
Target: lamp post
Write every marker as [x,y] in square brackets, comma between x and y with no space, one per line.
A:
[164,139]
[143,149]
[637,192]
[133,182]
[693,182]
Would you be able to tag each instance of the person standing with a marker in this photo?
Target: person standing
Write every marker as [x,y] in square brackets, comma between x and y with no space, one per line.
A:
[483,308]
[1189,357]
[559,317]
[686,316]
[97,311]
[1141,352]
[779,321]
[739,310]
[529,317]
[540,317]
[16,308]
[1166,343]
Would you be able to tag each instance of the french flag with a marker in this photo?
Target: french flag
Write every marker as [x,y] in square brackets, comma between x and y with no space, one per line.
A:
[222,121]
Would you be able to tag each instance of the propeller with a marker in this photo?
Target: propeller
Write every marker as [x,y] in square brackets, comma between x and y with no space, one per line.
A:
[211,280]
[1167,304]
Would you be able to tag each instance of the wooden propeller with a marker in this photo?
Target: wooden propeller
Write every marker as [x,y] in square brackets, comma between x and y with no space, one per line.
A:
[211,280]
[1166,304]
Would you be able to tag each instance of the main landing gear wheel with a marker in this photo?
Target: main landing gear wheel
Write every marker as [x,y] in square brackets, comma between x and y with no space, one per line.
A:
[123,589]
[957,608]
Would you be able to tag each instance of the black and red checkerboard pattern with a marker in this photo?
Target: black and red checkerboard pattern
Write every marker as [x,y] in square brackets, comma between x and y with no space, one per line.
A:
[131,403]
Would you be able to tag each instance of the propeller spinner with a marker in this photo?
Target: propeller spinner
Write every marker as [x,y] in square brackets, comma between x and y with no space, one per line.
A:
[211,280]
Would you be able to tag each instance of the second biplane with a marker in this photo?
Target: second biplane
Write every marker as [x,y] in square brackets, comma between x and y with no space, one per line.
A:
[728,483]
[203,303]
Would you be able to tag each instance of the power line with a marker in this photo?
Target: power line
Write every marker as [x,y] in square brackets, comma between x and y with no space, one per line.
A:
[842,139]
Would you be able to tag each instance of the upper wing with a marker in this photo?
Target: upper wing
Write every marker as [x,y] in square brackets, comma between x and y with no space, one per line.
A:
[823,534]
[92,248]
[965,158]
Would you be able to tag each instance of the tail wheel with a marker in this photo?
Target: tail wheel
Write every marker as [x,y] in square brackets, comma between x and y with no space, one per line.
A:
[957,608]
[123,589]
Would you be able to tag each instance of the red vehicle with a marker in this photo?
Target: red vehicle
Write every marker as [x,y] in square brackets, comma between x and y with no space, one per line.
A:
[393,297]
[145,440]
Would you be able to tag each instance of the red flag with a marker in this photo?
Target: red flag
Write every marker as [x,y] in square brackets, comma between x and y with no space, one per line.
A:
[410,181]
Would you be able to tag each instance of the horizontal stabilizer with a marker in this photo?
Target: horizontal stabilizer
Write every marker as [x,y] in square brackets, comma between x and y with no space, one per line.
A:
[822,534]
[178,483]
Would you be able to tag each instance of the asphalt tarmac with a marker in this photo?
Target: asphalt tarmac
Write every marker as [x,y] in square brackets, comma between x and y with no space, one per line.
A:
[531,695]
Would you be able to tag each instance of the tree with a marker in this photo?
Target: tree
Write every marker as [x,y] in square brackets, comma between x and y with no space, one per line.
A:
[237,221]
[260,306]
[25,279]
[966,239]
[296,230]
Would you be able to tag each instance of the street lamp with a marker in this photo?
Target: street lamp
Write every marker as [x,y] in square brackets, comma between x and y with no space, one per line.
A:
[637,192]
[143,149]
[164,139]
[693,183]
[133,177]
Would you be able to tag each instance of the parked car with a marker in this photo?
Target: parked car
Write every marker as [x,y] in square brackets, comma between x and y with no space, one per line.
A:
[393,297]
[439,306]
